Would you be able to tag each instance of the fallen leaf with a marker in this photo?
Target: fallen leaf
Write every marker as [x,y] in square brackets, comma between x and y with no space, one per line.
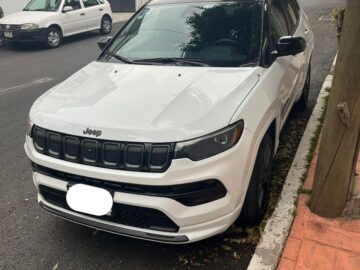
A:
[194,263]
[55,266]
[236,255]
[238,240]
[183,260]
[227,248]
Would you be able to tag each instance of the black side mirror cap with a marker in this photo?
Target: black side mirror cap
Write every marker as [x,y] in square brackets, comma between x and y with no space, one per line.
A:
[289,45]
[103,42]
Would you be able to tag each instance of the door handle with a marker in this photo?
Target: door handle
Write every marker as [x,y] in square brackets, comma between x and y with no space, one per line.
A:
[306,31]
[82,14]
[101,9]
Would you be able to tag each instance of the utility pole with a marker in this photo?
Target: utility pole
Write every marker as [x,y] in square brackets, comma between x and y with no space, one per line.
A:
[340,137]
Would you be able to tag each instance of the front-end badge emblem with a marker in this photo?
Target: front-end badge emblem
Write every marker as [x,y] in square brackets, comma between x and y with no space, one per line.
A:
[89,131]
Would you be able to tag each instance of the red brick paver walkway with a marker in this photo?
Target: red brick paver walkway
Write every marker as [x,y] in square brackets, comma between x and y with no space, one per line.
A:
[320,243]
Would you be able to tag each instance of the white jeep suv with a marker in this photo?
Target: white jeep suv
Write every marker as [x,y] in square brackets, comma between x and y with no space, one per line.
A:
[169,136]
[48,21]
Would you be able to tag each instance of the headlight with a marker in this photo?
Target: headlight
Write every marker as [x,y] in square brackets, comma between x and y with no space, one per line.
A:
[29,26]
[210,145]
[29,127]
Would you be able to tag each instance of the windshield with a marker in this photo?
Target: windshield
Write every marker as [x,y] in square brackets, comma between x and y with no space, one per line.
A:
[43,5]
[226,34]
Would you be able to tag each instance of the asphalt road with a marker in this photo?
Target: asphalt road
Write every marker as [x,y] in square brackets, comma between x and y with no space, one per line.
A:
[33,239]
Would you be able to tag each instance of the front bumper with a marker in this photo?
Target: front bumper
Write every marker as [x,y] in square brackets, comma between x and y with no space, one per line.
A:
[37,35]
[195,223]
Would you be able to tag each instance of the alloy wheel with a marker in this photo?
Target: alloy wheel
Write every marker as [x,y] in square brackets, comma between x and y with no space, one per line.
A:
[53,38]
[106,25]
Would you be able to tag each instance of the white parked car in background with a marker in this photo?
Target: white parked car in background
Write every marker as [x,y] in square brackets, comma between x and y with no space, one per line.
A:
[170,135]
[49,21]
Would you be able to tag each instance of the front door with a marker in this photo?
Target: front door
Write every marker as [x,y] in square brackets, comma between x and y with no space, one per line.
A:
[289,67]
[94,12]
[74,21]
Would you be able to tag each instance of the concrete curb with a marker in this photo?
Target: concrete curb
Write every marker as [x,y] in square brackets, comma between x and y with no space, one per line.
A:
[273,239]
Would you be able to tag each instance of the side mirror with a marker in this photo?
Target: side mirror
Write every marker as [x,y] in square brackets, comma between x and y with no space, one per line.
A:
[290,46]
[103,42]
[67,9]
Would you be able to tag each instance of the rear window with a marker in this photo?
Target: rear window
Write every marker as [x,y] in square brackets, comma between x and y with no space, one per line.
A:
[90,3]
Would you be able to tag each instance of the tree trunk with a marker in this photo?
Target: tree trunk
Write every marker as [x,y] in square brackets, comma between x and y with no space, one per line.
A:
[340,136]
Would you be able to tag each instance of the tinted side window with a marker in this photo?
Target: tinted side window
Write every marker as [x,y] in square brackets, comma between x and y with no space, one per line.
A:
[90,3]
[75,4]
[278,26]
[292,13]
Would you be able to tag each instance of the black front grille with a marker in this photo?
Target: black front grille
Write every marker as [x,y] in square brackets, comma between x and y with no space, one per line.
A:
[128,215]
[9,27]
[145,157]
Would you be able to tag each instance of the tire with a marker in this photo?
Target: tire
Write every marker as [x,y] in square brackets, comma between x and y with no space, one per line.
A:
[258,193]
[53,38]
[106,25]
[302,103]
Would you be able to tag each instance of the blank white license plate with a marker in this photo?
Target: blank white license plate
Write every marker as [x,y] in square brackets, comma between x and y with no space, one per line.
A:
[89,200]
[8,34]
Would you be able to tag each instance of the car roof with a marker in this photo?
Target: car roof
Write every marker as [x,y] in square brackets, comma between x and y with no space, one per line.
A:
[160,2]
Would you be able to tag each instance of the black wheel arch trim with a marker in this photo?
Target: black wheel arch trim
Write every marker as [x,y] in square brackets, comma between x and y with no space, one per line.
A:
[107,15]
[57,26]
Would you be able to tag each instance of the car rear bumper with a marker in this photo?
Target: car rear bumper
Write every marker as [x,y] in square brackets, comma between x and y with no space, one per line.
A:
[37,35]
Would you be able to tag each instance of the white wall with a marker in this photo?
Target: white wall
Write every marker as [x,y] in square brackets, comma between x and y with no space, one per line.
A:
[139,3]
[12,6]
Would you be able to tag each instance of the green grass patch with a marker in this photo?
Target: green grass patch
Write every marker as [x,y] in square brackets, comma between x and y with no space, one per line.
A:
[305,191]
[314,140]
[316,134]
[304,175]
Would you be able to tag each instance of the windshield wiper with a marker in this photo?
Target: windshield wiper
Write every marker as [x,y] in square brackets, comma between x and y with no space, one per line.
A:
[122,59]
[189,61]
[251,64]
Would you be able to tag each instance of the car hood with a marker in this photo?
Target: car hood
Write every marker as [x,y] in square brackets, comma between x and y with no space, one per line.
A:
[22,17]
[144,103]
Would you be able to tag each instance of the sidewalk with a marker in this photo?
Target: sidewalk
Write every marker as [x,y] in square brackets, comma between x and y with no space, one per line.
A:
[121,16]
[321,243]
